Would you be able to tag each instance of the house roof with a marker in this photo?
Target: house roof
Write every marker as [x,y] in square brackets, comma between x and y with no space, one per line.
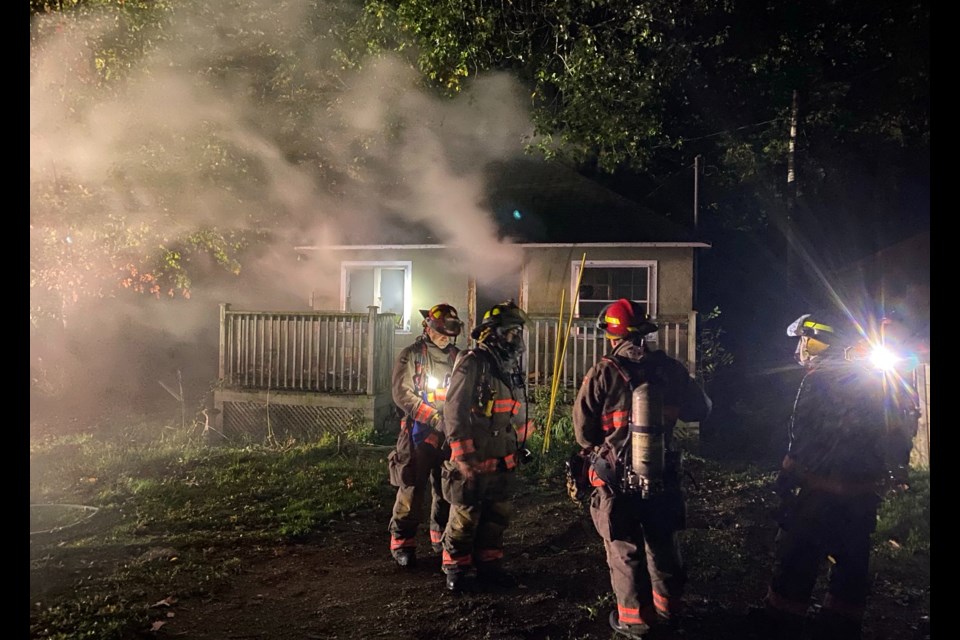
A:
[535,202]
[909,258]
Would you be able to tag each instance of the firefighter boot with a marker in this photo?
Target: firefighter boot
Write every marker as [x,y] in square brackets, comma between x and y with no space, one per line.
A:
[835,626]
[635,631]
[456,580]
[493,575]
[406,558]
[668,626]
[772,624]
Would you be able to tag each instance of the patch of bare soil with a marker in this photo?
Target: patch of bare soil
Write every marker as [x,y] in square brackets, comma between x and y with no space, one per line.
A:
[343,584]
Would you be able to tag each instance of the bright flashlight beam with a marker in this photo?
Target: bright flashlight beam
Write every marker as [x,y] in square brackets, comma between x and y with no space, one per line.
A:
[883,359]
[432,383]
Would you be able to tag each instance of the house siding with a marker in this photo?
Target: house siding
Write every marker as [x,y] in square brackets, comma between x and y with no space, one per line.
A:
[546,272]
[434,279]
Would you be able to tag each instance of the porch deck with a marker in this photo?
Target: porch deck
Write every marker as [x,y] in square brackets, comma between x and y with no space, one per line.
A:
[306,373]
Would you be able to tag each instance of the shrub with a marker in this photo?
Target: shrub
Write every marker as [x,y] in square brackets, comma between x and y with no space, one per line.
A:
[904,518]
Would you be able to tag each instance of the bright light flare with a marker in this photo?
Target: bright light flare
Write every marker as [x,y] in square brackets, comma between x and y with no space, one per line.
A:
[432,383]
[883,358]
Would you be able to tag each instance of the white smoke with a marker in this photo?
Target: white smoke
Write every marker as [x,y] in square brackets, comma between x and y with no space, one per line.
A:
[194,137]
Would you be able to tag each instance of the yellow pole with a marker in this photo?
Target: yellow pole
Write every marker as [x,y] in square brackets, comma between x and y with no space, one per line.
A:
[553,380]
[558,362]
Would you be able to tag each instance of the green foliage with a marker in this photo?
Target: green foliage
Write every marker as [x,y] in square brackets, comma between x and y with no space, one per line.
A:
[141,218]
[597,609]
[197,491]
[712,356]
[587,65]
[650,85]
[612,85]
[548,464]
[903,521]
[154,481]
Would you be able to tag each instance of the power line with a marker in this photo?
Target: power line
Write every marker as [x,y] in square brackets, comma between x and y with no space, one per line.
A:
[717,133]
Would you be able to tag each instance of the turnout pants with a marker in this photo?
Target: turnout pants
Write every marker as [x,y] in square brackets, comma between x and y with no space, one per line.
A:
[480,512]
[408,508]
[817,526]
[643,552]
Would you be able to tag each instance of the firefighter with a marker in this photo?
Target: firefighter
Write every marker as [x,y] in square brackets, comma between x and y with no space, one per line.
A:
[420,379]
[850,434]
[486,426]
[637,517]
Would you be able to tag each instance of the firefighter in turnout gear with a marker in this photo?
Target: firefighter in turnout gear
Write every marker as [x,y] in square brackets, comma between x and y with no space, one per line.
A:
[850,437]
[486,426]
[624,415]
[420,379]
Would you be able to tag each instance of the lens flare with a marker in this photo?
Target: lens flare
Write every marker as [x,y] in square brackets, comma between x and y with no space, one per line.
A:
[883,358]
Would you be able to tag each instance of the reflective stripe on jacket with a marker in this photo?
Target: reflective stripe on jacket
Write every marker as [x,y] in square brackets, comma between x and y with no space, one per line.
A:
[483,412]
[415,364]
[601,411]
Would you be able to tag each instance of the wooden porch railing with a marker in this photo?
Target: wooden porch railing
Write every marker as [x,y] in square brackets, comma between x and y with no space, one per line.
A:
[334,352]
[306,350]
[586,345]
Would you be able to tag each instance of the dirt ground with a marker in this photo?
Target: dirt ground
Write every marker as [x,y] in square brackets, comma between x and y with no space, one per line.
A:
[343,584]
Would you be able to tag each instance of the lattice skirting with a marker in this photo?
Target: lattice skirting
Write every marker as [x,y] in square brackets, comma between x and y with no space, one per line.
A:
[258,416]
[255,421]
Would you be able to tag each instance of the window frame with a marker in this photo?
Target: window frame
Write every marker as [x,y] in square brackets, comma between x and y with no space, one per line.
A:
[377,265]
[650,265]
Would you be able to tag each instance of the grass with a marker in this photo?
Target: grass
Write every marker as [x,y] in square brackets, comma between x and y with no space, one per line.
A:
[185,510]
[157,485]
[903,521]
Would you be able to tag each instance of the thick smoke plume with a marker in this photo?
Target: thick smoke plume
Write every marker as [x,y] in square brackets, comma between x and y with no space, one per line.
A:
[230,121]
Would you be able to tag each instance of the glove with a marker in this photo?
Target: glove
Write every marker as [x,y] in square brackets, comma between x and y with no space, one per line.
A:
[434,421]
[466,469]
[784,486]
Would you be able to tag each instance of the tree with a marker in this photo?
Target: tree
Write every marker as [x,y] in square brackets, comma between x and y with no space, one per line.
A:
[621,88]
[156,129]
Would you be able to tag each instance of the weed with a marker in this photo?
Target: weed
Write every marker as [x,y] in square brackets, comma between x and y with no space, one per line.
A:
[175,492]
[156,488]
[903,520]
[548,463]
[596,609]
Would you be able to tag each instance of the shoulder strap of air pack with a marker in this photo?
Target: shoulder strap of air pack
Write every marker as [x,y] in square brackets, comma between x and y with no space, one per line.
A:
[621,370]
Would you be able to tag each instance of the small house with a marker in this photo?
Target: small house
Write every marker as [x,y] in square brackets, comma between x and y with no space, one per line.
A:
[562,239]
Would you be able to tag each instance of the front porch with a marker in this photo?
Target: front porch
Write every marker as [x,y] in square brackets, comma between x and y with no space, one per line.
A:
[304,374]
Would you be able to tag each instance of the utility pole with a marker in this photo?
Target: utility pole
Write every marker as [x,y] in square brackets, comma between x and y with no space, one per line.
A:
[791,194]
[696,221]
[696,190]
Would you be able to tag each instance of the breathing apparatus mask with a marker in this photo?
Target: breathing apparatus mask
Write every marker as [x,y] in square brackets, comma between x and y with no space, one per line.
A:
[501,331]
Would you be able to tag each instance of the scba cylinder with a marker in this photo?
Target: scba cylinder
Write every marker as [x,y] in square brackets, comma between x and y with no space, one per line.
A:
[646,435]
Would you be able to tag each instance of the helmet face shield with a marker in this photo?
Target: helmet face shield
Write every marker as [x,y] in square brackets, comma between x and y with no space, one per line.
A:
[443,319]
[450,327]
